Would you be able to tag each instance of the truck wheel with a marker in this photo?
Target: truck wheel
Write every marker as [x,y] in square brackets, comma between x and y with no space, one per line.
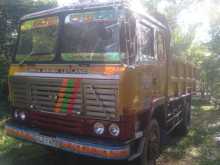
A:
[183,128]
[152,144]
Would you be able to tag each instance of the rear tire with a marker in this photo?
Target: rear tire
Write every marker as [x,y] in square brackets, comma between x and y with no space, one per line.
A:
[152,144]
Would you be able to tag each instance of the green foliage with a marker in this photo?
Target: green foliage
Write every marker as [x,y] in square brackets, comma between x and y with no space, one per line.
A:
[211,68]
[211,65]
[215,33]
[181,43]
[171,10]
[10,13]
[3,75]
[197,53]
[199,146]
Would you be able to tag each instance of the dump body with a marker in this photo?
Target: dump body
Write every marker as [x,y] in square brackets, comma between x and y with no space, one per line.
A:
[94,91]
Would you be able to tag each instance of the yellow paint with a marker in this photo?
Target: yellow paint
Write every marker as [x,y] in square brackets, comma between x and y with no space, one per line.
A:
[40,23]
[138,86]
[16,69]
[102,69]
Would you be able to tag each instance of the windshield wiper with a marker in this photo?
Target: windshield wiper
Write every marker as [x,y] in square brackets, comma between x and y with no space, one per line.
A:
[33,54]
[112,26]
[111,46]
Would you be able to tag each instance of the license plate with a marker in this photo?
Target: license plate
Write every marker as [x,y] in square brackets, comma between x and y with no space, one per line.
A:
[52,142]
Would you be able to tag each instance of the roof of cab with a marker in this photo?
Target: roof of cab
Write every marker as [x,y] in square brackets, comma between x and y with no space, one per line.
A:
[86,6]
[74,6]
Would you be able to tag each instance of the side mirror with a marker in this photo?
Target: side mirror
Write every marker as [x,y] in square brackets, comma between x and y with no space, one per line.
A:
[9,52]
[10,47]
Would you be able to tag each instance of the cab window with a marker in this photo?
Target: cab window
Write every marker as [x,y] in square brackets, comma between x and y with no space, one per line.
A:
[37,41]
[146,42]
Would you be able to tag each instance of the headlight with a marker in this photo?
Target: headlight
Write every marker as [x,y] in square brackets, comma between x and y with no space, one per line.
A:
[99,128]
[16,114]
[114,130]
[22,116]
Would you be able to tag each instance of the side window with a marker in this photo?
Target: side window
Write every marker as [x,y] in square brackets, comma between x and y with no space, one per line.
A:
[146,43]
[161,49]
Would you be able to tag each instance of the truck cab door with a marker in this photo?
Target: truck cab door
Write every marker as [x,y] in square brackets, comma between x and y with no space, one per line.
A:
[147,60]
[162,61]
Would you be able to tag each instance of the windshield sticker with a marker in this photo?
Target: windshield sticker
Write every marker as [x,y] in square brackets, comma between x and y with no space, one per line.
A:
[111,56]
[96,16]
[27,26]
[40,23]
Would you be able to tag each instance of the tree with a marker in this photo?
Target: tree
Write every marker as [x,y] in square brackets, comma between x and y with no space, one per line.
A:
[180,42]
[211,65]
[215,33]
[10,13]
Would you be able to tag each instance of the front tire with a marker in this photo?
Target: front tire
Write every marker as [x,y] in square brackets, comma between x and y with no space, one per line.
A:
[152,144]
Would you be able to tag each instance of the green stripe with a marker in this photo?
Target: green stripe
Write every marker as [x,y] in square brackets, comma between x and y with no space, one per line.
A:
[68,91]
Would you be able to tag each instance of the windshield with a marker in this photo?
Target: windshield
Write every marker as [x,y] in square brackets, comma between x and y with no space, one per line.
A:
[37,40]
[91,36]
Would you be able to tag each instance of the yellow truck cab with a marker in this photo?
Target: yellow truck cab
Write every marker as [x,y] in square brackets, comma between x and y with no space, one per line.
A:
[98,79]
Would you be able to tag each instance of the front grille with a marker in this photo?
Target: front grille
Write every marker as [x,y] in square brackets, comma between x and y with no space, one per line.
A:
[19,93]
[100,98]
[49,95]
[90,97]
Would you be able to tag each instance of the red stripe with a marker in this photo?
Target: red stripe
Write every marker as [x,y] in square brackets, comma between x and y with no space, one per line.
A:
[75,92]
[57,107]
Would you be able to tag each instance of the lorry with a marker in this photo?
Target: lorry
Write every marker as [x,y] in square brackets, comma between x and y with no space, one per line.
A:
[98,79]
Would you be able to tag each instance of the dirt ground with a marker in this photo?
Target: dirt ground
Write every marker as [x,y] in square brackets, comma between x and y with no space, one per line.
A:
[197,148]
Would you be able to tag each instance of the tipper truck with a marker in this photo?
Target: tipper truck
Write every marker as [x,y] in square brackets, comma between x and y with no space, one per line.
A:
[98,79]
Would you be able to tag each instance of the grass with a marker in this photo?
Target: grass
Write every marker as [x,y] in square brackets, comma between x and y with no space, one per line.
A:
[5,142]
[197,148]
[14,152]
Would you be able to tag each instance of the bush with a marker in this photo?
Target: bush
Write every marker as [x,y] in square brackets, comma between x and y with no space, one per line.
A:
[3,76]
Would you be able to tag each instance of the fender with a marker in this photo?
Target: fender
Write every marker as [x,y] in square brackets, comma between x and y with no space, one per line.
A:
[148,113]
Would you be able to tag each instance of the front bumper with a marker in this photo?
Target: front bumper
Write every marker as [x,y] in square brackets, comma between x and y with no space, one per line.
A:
[79,146]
